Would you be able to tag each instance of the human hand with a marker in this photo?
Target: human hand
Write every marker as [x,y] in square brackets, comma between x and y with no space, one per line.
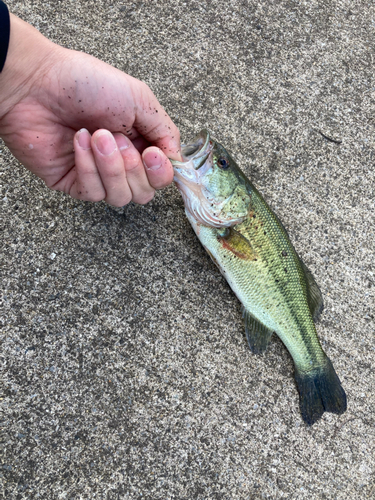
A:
[81,125]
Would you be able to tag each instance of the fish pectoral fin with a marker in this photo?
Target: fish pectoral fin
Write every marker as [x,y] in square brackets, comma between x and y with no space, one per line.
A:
[314,295]
[236,243]
[257,334]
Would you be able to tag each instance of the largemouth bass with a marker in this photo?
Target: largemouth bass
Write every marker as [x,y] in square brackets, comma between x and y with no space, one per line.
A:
[250,246]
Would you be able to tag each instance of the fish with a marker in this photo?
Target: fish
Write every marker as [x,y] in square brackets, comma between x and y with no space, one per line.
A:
[251,248]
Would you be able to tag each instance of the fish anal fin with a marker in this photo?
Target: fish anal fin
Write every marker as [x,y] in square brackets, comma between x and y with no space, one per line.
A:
[237,244]
[314,295]
[257,334]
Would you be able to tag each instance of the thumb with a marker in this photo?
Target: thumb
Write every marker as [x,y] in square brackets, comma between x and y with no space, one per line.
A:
[153,122]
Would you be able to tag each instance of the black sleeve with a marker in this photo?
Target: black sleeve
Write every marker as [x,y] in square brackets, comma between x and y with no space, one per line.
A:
[4,33]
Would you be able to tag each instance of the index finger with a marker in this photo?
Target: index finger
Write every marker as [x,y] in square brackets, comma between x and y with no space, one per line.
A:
[153,122]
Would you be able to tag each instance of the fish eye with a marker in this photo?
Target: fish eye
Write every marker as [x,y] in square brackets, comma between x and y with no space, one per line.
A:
[223,163]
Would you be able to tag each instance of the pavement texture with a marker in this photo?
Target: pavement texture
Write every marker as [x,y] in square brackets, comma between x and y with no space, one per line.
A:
[125,368]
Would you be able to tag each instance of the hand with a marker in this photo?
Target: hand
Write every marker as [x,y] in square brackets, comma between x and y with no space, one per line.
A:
[81,125]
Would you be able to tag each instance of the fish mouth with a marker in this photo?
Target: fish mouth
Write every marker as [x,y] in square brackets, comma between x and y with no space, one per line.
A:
[191,176]
[196,153]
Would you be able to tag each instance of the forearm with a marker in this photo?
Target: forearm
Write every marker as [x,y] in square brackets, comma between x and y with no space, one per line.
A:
[28,57]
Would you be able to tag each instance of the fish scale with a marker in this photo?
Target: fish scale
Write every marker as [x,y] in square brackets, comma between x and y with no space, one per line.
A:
[252,249]
[281,307]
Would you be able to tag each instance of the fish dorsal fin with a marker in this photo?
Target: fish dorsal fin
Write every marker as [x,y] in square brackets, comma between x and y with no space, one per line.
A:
[258,335]
[314,295]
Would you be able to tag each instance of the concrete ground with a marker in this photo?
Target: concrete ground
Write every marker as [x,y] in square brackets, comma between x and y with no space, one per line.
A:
[126,372]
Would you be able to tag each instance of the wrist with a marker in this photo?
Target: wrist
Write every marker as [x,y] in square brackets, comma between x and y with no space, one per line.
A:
[29,56]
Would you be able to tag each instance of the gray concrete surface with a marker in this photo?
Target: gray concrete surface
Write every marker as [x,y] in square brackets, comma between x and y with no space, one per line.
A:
[125,369]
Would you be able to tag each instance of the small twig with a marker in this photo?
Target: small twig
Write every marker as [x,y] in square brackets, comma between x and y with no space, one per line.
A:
[330,139]
[341,426]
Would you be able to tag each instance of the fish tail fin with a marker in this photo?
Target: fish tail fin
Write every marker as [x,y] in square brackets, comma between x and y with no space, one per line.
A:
[320,390]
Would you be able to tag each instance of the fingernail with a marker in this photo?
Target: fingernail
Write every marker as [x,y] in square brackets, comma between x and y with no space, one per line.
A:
[122,141]
[174,151]
[173,145]
[105,143]
[152,160]
[84,139]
